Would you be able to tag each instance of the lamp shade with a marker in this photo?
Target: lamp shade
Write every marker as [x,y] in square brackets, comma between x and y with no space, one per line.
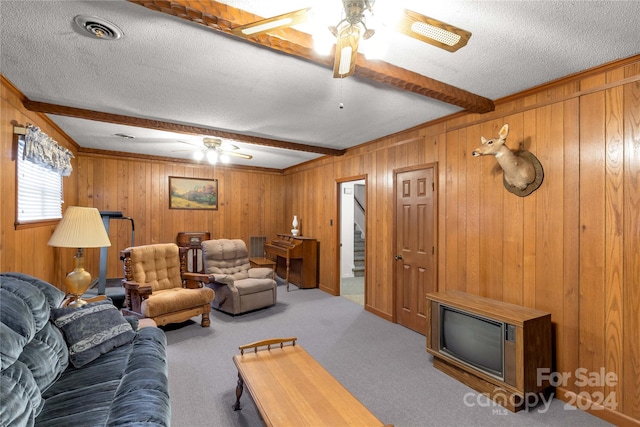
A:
[80,227]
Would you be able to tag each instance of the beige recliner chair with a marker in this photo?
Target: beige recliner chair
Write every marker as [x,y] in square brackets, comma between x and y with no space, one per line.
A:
[238,287]
[157,286]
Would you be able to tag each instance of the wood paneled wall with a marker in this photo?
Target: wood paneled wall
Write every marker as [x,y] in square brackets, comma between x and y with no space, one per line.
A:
[249,202]
[25,249]
[570,248]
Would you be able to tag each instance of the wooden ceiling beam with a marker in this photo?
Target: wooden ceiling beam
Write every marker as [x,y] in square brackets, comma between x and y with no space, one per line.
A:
[61,110]
[223,18]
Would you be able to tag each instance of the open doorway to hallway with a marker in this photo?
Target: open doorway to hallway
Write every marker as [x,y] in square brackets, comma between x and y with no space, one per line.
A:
[352,240]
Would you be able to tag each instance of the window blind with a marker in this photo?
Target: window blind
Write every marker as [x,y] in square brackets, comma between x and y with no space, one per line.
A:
[39,190]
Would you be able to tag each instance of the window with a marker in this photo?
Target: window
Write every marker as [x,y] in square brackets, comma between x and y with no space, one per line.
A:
[39,190]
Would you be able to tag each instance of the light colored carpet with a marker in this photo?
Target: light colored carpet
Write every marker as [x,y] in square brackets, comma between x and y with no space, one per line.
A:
[352,288]
[383,364]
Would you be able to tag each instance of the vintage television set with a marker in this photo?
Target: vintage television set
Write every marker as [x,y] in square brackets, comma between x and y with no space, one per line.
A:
[494,347]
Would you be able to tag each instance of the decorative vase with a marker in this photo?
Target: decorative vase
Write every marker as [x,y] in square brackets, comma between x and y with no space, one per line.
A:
[295,231]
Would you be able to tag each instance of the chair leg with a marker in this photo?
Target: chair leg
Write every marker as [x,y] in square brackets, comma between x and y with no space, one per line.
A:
[206,322]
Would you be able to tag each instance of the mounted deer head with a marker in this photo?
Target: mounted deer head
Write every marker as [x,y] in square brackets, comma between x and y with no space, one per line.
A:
[522,171]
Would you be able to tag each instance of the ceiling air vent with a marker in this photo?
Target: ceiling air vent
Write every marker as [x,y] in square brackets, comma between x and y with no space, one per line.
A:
[97,27]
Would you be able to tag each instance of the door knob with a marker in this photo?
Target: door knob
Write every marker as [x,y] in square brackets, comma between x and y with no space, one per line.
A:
[398,257]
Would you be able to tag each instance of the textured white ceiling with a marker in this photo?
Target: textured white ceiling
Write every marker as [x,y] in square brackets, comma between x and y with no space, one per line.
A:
[168,69]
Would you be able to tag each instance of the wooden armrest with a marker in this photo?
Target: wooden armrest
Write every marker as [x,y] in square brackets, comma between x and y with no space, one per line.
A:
[267,343]
[222,279]
[198,277]
[195,276]
[136,287]
[196,280]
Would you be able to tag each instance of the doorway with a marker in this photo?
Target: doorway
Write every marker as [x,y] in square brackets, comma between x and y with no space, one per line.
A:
[415,273]
[352,207]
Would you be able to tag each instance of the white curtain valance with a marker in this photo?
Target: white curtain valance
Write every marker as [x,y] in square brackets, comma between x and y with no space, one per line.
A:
[41,149]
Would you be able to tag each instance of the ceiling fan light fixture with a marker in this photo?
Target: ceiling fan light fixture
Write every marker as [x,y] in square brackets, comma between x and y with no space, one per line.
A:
[215,149]
[212,156]
[368,34]
[323,43]
[375,50]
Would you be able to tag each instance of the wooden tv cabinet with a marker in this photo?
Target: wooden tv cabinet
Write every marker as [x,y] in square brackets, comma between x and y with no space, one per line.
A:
[527,349]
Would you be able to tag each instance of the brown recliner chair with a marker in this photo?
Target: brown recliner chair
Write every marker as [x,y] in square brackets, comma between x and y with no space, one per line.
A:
[238,287]
[157,286]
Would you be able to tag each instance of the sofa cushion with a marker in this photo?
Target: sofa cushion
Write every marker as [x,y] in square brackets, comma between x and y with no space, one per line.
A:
[175,299]
[156,265]
[32,352]
[251,286]
[226,256]
[53,295]
[46,356]
[145,380]
[92,330]
[21,399]
[82,396]
[126,386]
[16,329]
[24,311]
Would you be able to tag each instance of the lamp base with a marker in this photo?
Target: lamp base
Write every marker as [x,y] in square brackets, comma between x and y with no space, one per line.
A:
[78,281]
[77,302]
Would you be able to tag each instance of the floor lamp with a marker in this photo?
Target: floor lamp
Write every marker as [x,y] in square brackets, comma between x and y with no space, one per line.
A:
[80,228]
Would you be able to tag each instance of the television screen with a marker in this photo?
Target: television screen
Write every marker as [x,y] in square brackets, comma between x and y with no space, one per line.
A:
[471,339]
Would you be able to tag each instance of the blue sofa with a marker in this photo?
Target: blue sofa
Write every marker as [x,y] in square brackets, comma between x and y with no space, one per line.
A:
[76,367]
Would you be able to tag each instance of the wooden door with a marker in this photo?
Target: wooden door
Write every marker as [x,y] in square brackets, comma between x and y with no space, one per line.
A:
[415,246]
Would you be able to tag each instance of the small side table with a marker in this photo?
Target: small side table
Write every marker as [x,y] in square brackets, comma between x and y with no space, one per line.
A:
[263,262]
[68,300]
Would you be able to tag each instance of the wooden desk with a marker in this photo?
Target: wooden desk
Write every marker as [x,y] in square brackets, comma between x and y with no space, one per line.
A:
[290,388]
[296,259]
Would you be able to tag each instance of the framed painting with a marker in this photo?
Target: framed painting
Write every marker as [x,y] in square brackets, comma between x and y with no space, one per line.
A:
[193,193]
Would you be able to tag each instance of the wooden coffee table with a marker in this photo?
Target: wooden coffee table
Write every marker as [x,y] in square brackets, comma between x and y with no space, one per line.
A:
[290,388]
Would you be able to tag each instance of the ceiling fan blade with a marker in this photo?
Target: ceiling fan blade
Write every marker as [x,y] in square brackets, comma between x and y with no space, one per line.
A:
[265,25]
[432,31]
[193,144]
[221,17]
[240,155]
[344,64]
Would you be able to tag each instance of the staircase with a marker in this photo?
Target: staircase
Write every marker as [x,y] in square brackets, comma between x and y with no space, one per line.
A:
[358,252]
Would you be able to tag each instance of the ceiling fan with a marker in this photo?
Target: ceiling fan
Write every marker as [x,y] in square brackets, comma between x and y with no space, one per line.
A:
[352,28]
[213,149]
